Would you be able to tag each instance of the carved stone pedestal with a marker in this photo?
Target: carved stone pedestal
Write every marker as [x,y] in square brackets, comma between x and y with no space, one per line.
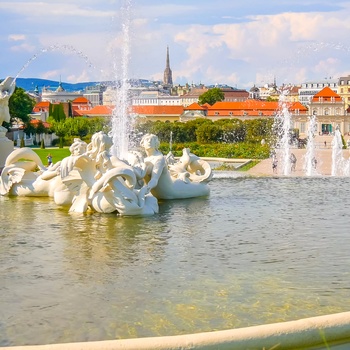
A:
[6,147]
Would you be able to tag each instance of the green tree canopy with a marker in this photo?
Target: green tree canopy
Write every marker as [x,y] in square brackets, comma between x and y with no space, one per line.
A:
[57,112]
[20,105]
[211,96]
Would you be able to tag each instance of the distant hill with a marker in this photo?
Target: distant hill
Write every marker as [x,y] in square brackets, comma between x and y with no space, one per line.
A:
[29,84]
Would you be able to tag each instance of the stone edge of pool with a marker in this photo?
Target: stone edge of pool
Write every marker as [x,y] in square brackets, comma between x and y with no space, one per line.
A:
[321,332]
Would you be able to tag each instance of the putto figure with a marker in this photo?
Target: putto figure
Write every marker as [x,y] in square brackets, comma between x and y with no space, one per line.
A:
[92,179]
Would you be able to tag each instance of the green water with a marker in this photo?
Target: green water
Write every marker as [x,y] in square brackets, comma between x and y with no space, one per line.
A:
[256,251]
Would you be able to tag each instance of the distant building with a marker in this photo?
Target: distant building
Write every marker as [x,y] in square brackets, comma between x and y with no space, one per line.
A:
[250,109]
[194,111]
[80,106]
[330,112]
[94,94]
[192,96]
[234,95]
[158,113]
[344,89]
[254,93]
[309,89]
[59,95]
[168,75]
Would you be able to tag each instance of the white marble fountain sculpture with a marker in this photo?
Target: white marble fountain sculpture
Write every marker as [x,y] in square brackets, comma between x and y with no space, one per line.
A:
[7,87]
[92,179]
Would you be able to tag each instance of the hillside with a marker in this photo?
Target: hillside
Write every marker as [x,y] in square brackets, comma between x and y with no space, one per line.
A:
[29,84]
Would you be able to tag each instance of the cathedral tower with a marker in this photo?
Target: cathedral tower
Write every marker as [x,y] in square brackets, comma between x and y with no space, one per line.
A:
[168,76]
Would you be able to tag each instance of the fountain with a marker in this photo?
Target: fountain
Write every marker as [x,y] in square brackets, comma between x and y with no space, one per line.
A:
[283,123]
[310,161]
[285,148]
[228,262]
[121,119]
[340,166]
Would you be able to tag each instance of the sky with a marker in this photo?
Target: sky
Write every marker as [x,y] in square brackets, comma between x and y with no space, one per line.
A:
[238,43]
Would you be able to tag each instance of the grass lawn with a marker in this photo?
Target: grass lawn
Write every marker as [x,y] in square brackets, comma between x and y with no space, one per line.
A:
[57,153]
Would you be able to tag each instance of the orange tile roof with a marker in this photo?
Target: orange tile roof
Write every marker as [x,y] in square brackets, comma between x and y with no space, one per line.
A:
[327,94]
[158,110]
[79,112]
[245,105]
[43,104]
[35,122]
[80,100]
[196,107]
[251,108]
[100,110]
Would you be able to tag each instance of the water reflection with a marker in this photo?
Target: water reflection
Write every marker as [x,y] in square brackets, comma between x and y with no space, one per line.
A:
[257,250]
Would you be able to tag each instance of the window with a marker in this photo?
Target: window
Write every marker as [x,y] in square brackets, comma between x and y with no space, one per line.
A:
[302,127]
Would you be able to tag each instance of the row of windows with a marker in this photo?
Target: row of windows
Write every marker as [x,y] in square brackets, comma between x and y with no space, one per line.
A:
[318,85]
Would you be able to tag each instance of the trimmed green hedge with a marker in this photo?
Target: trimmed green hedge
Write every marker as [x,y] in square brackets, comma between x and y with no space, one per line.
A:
[243,150]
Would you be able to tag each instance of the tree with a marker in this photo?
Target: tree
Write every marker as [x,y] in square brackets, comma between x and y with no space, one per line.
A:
[208,133]
[40,129]
[77,126]
[233,130]
[211,96]
[58,112]
[20,105]
[60,129]
[29,128]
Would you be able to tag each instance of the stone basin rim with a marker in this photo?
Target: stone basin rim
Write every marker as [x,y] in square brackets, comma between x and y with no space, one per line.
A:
[308,333]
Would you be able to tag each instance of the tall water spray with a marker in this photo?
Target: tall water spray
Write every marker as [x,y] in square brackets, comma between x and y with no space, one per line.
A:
[121,123]
[283,124]
[310,158]
[52,48]
[338,161]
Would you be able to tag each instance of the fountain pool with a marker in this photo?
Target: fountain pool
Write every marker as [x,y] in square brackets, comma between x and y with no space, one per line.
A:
[256,251]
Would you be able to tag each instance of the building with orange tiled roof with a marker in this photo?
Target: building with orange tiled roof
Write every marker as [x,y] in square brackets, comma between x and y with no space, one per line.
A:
[329,108]
[79,105]
[158,113]
[97,111]
[41,110]
[194,111]
[43,106]
[249,109]
[308,89]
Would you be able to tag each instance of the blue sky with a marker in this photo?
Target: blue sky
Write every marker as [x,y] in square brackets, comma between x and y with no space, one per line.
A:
[239,43]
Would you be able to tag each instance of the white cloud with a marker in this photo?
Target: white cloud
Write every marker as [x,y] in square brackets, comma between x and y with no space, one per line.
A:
[16,37]
[24,47]
[233,44]
[47,10]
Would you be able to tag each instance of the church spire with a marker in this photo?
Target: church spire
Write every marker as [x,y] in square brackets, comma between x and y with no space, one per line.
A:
[168,78]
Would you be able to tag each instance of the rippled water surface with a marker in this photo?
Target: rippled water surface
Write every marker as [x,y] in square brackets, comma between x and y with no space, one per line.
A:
[257,250]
